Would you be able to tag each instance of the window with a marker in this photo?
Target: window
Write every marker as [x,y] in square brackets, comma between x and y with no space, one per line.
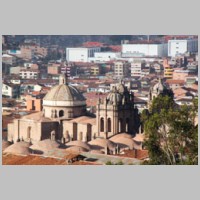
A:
[102,124]
[109,125]
[61,113]
[29,132]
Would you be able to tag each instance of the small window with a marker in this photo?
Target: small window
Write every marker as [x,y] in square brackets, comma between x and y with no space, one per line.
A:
[61,113]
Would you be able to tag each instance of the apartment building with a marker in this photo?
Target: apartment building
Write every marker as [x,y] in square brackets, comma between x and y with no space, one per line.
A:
[121,69]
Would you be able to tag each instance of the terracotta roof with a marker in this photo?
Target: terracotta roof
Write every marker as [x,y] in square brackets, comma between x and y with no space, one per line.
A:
[84,120]
[36,117]
[10,159]
[172,81]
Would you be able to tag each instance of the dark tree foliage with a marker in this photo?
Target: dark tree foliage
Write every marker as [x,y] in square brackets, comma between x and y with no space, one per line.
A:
[116,39]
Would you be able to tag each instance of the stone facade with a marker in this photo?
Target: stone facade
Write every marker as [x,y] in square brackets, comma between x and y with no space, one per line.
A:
[64,117]
[117,114]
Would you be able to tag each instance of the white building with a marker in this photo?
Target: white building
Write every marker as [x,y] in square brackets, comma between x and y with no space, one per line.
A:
[29,74]
[142,50]
[176,47]
[10,90]
[16,70]
[105,56]
[8,59]
[136,68]
[81,54]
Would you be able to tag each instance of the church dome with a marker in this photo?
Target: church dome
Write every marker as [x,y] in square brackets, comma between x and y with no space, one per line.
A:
[19,148]
[78,143]
[45,146]
[63,95]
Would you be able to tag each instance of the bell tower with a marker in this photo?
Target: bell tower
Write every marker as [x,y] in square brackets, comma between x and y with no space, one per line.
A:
[115,114]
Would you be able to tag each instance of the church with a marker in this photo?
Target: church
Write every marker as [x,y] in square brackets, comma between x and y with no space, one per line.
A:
[64,116]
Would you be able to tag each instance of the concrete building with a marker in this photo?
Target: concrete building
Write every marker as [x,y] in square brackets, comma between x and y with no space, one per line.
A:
[27,52]
[10,90]
[81,54]
[95,70]
[8,59]
[136,68]
[180,74]
[29,74]
[142,50]
[176,47]
[34,103]
[16,70]
[121,69]
[168,70]
[53,68]
[100,57]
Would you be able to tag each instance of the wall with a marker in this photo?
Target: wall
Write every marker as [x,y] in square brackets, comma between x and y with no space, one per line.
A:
[146,49]
[177,47]
[77,54]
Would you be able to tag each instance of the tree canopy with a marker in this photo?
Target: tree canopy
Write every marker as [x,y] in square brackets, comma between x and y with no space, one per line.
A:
[171,132]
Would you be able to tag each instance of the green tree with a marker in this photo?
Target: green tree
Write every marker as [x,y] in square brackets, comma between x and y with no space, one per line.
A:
[172,136]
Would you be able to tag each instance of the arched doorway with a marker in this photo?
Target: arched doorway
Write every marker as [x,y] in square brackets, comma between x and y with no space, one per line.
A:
[109,125]
[74,131]
[89,132]
[102,124]
[53,135]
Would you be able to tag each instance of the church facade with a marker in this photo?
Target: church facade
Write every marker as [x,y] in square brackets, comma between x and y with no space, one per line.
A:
[64,116]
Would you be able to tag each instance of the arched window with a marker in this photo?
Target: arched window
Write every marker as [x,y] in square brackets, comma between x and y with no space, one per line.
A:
[109,125]
[61,113]
[29,132]
[53,135]
[89,132]
[102,124]
[74,131]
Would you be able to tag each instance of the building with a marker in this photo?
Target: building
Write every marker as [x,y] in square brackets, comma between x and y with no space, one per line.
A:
[144,50]
[180,74]
[116,114]
[10,90]
[176,47]
[174,84]
[34,103]
[53,68]
[27,52]
[29,74]
[101,57]
[168,70]
[16,70]
[95,70]
[136,68]
[64,117]
[8,59]
[81,54]
[121,69]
